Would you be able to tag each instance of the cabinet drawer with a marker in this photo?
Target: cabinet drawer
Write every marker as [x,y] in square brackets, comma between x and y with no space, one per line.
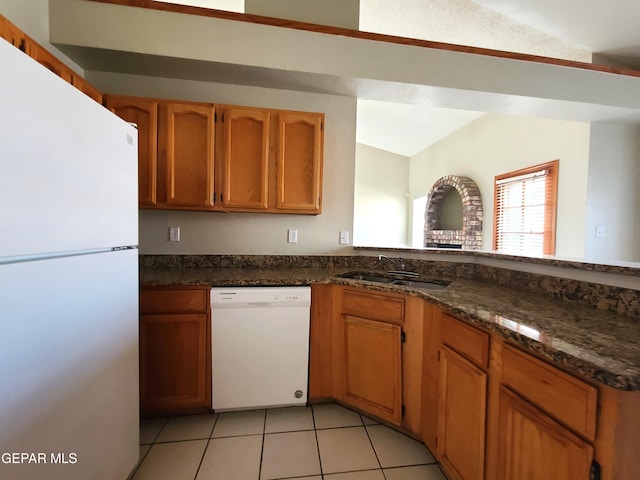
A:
[373,305]
[163,300]
[571,401]
[466,340]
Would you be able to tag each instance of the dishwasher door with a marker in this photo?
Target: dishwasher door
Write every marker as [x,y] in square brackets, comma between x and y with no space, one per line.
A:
[260,347]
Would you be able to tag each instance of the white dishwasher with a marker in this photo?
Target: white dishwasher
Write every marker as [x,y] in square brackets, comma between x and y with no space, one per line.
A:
[259,346]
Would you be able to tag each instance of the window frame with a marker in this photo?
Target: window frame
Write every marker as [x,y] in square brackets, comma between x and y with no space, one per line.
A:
[550,204]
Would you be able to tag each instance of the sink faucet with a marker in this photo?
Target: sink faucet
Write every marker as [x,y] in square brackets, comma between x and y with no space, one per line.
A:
[399,264]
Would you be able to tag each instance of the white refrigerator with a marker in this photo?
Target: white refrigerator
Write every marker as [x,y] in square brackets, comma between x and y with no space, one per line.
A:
[68,281]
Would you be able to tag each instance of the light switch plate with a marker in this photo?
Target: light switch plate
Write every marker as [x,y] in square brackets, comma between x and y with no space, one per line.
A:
[344,237]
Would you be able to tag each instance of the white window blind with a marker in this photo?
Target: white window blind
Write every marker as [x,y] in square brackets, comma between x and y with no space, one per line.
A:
[520,213]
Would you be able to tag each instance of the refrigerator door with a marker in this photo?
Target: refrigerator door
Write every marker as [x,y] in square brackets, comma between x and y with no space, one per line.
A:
[68,165]
[69,367]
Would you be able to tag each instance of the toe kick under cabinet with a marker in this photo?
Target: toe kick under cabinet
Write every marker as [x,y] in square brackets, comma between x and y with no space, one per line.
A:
[175,350]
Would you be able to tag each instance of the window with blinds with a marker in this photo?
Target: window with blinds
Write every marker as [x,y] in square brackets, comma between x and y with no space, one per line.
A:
[525,210]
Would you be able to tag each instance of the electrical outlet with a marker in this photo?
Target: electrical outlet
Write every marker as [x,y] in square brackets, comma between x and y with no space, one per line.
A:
[292,235]
[344,237]
[601,231]
[174,234]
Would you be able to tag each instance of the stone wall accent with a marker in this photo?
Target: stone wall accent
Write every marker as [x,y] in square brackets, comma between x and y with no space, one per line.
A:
[470,237]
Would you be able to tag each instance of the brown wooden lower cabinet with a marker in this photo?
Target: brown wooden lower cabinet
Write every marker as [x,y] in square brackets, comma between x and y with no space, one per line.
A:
[533,446]
[486,409]
[462,414]
[175,350]
[366,352]
[373,367]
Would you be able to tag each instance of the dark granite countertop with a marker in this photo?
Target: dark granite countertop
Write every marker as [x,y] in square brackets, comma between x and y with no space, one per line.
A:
[596,344]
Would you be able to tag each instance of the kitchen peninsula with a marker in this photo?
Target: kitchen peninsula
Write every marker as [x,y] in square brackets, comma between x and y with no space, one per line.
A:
[485,330]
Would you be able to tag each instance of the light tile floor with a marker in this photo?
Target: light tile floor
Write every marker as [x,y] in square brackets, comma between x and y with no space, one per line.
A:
[324,442]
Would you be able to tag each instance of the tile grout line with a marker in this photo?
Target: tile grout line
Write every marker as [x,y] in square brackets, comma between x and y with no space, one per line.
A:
[153,442]
[264,429]
[207,445]
[315,432]
[373,447]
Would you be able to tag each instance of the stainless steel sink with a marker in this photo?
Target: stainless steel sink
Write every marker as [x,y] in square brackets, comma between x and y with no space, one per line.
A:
[419,284]
[371,277]
[366,277]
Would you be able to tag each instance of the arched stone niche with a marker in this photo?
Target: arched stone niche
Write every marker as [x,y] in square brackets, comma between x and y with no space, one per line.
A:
[470,237]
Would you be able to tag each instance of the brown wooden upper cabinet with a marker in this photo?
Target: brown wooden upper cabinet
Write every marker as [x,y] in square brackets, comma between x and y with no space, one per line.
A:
[11,33]
[199,156]
[86,88]
[144,113]
[245,158]
[48,60]
[299,162]
[19,39]
[185,143]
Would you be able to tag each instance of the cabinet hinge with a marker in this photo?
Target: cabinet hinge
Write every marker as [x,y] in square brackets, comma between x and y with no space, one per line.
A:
[223,118]
[594,473]
[215,117]
[214,198]
[22,45]
[438,355]
[403,337]
[321,126]
[404,411]
[436,441]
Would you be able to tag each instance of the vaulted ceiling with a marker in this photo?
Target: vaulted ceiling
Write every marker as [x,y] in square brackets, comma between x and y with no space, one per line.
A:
[569,29]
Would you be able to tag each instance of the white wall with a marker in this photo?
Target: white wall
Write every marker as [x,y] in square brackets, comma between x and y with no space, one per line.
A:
[496,144]
[248,233]
[32,17]
[381,208]
[613,195]
[337,13]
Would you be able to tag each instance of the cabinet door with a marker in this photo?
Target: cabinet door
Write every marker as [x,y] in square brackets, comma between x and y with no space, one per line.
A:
[144,113]
[245,158]
[11,33]
[533,446]
[86,88]
[173,361]
[462,414]
[42,56]
[186,148]
[299,165]
[373,367]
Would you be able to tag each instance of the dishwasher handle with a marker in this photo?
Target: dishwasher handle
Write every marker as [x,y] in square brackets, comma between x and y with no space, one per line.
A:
[260,304]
